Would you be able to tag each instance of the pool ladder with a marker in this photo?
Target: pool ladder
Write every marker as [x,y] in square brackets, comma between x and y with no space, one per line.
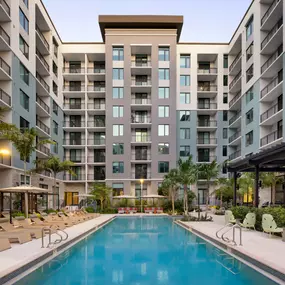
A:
[228,228]
[47,230]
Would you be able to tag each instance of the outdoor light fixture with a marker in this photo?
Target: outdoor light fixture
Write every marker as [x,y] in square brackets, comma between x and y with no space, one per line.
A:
[4,151]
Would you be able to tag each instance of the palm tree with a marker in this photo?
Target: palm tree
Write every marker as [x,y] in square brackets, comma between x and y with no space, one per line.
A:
[246,182]
[209,171]
[187,175]
[225,186]
[101,192]
[271,179]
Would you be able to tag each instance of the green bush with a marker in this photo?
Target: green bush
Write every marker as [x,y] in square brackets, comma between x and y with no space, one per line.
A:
[18,214]
[178,204]
[109,211]
[89,210]
[49,211]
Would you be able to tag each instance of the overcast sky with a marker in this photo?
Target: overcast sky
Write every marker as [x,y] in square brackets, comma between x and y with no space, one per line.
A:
[204,20]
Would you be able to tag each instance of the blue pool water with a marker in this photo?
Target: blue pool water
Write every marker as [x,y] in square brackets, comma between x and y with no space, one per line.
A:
[140,251]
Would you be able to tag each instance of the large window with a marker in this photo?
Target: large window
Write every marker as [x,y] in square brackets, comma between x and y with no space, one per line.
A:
[249,52]
[184,151]
[163,92]
[184,116]
[184,133]
[118,148]
[184,80]
[163,148]
[118,111]
[163,130]
[24,100]
[24,48]
[226,61]
[249,28]
[24,21]
[249,116]
[225,115]
[54,107]
[24,73]
[163,54]
[185,98]
[118,189]
[249,95]
[163,73]
[163,111]
[118,130]
[118,73]
[163,167]
[225,80]
[23,182]
[118,167]
[249,73]
[24,124]
[118,53]
[55,147]
[185,60]
[249,138]
[55,127]
[225,150]
[225,133]
[225,98]
[71,198]
[26,2]
[118,93]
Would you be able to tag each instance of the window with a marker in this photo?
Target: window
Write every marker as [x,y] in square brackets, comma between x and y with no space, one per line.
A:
[225,98]
[185,98]
[163,54]
[226,61]
[249,138]
[225,133]
[225,116]
[24,21]
[118,92]
[55,127]
[184,151]
[163,92]
[24,124]
[43,186]
[23,182]
[118,73]
[24,48]
[55,107]
[118,189]
[24,73]
[55,147]
[118,53]
[163,111]
[26,2]
[249,52]
[71,198]
[55,47]
[118,130]
[184,116]
[54,88]
[141,190]
[184,133]
[118,111]
[249,73]
[163,148]
[225,150]
[163,130]
[185,60]
[118,148]
[225,80]
[249,95]
[249,116]
[163,167]
[163,73]
[118,167]
[24,100]
[54,68]
[184,80]
[249,28]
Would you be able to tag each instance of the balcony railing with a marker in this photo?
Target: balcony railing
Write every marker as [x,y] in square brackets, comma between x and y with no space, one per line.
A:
[141,83]
[237,96]
[74,124]
[73,70]
[269,10]
[207,71]
[94,70]
[74,106]
[77,177]
[42,81]
[234,136]
[234,118]
[141,174]
[41,57]
[271,138]
[206,158]
[96,124]
[276,54]
[271,33]
[270,112]
[235,155]
[237,58]
[42,104]
[138,63]
[75,159]
[141,101]
[97,141]
[5,159]
[235,80]
[96,88]
[74,88]
[43,126]
[206,141]
[207,87]
[97,158]
[5,97]
[6,7]
[4,35]
[43,149]
[139,155]
[42,37]
[141,138]
[207,106]
[207,123]
[73,141]
[96,176]
[96,106]
[4,65]
[137,119]
[272,84]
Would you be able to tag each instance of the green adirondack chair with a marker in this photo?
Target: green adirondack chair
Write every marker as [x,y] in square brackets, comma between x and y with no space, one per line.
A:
[249,221]
[269,225]
[229,217]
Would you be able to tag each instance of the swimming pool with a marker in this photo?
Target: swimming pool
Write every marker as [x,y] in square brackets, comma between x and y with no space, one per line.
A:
[148,250]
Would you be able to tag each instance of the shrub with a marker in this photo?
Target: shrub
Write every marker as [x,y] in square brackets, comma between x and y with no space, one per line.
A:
[89,210]
[18,214]
[48,211]
[109,211]
[178,205]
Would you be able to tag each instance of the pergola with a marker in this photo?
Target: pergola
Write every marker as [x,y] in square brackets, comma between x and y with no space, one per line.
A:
[269,160]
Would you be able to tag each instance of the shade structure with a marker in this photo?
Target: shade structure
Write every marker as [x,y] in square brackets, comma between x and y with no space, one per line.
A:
[85,195]
[153,196]
[124,197]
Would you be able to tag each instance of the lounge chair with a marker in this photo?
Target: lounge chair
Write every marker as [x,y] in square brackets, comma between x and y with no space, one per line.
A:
[229,217]
[46,223]
[16,236]
[269,225]
[159,210]
[4,244]
[7,227]
[28,224]
[249,221]
[121,211]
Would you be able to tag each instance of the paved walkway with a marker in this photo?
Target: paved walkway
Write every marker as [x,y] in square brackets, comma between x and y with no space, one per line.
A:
[21,254]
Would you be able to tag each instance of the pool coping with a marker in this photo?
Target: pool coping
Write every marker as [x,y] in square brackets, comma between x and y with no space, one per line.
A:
[245,258]
[53,251]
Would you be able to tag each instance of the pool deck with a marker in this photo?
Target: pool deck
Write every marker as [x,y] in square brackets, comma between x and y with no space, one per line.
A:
[256,245]
[21,254]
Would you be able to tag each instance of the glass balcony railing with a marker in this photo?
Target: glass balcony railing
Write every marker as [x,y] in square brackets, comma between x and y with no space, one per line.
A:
[73,141]
[77,177]
[42,81]
[6,7]
[237,58]
[4,35]
[96,176]
[43,104]
[141,101]
[237,96]
[96,70]
[234,136]
[271,33]
[235,155]
[43,149]
[137,119]
[141,63]
[74,124]
[99,141]
[235,80]
[75,158]
[96,124]
[141,138]
[269,10]
[141,83]
[276,54]
[271,85]
[96,88]
[42,37]
[207,87]
[74,106]
[270,112]
[206,141]
[206,158]
[76,88]
[207,70]
[207,106]
[4,65]
[42,59]
[5,97]
[207,123]
[271,138]
[234,118]
[73,70]
[43,126]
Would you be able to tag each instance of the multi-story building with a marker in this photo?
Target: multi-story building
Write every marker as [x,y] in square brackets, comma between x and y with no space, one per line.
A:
[129,107]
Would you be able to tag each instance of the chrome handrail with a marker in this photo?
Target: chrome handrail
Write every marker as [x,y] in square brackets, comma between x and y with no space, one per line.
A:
[226,226]
[233,240]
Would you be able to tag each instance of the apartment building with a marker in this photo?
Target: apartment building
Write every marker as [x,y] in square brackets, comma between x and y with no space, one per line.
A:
[129,107]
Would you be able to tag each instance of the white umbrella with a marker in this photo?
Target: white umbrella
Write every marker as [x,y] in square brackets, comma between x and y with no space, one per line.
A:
[124,197]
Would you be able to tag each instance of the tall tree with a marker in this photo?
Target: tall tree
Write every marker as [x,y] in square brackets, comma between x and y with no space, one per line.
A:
[225,188]
[101,192]
[187,175]
[271,179]
[245,183]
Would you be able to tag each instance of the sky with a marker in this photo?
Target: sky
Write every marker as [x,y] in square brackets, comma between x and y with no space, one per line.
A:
[204,20]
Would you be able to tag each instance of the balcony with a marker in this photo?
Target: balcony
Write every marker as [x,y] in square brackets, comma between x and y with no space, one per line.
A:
[74,108]
[5,160]
[273,63]
[141,138]
[75,159]
[270,138]
[140,101]
[141,86]
[273,39]
[234,118]
[206,158]
[78,177]
[235,155]
[43,109]
[273,12]
[207,87]
[96,106]
[41,42]
[100,158]
[74,73]
[43,86]
[43,127]
[235,85]
[43,149]
[140,156]
[4,40]
[207,125]
[74,124]
[207,106]
[73,91]
[96,73]
[235,67]
[235,99]
[5,70]
[5,98]
[235,138]
[5,11]
[207,141]
[96,142]
[141,174]
[273,89]
[140,119]
[42,65]
[96,177]
[272,115]
[141,67]
[94,88]
[96,124]
[209,74]
[73,142]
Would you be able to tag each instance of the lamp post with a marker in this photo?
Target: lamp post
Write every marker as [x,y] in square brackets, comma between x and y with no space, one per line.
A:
[141,181]
[3,152]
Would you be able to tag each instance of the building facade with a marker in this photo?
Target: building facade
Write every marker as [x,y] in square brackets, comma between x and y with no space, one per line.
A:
[129,107]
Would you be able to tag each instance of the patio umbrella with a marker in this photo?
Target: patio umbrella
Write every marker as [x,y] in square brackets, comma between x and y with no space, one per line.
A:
[26,189]
[153,196]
